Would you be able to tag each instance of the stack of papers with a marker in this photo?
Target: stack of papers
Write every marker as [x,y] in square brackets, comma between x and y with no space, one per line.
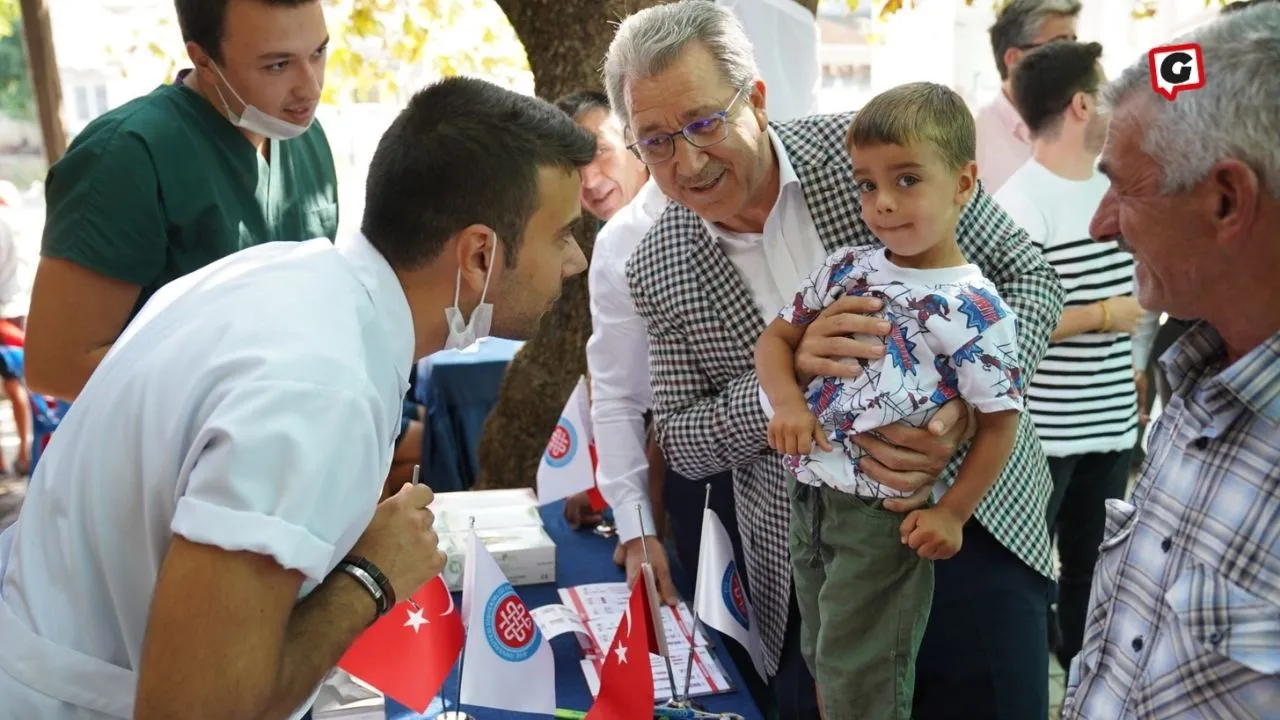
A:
[600,606]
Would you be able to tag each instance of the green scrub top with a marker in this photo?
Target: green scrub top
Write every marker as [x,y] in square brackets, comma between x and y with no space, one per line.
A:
[164,185]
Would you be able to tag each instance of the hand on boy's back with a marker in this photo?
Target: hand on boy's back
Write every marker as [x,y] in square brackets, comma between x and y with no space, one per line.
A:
[935,533]
[794,429]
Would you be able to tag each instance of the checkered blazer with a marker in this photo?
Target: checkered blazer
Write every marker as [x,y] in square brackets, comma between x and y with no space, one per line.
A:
[703,327]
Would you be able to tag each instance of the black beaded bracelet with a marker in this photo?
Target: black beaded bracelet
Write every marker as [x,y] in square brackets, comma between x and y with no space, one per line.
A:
[387,599]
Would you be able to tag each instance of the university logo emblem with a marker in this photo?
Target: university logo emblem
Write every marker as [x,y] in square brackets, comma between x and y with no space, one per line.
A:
[509,627]
[735,597]
[563,444]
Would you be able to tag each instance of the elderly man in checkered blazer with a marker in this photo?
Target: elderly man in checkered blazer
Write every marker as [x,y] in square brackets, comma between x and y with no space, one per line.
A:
[757,207]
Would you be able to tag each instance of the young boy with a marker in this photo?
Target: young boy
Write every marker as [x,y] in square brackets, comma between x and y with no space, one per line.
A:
[863,574]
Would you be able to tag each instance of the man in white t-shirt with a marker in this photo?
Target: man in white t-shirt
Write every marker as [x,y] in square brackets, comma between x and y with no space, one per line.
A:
[208,540]
[1083,398]
[1022,25]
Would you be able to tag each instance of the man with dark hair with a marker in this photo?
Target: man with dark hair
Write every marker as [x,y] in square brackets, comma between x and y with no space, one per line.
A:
[615,176]
[1083,399]
[210,539]
[225,157]
[1021,26]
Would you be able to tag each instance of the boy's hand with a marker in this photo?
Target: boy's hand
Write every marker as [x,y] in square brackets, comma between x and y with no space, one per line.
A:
[794,429]
[935,533]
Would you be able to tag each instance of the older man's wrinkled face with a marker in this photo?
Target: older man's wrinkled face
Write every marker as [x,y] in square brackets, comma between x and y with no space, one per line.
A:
[1170,235]
[718,181]
[615,175]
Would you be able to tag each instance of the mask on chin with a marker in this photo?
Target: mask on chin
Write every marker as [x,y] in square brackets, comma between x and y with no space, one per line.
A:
[253,119]
[465,333]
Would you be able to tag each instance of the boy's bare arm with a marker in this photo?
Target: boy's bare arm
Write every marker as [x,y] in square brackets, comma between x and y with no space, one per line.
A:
[776,362]
[992,444]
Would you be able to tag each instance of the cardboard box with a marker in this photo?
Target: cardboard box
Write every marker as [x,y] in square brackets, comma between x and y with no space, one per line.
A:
[526,555]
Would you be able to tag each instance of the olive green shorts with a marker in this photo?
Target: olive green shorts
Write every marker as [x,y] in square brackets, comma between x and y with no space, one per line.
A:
[864,602]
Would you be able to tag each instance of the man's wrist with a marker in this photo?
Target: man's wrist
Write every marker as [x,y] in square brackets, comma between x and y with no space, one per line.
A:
[629,523]
[343,582]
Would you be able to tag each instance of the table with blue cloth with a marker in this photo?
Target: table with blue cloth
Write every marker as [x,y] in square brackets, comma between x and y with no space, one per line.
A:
[583,557]
[458,388]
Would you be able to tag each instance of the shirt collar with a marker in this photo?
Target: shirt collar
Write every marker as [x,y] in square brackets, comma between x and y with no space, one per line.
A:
[787,178]
[1253,379]
[1011,118]
[391,307]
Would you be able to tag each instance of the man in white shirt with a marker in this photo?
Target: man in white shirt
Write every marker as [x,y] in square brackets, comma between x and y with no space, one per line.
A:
[758,206]
[1022,25]
[1083,398]
[209,540]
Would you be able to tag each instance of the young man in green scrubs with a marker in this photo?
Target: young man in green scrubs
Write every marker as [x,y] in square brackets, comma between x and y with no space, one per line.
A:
[226,157]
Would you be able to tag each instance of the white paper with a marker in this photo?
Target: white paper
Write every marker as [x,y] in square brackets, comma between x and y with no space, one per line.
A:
[601,605]
[708,677]
[556,620]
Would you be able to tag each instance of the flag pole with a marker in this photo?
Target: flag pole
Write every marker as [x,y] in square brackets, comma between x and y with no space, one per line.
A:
[693,630]
[671,673]
[457,713]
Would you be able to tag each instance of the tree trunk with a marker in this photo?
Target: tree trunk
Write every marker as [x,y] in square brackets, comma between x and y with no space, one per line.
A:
[565,41]
[44,76]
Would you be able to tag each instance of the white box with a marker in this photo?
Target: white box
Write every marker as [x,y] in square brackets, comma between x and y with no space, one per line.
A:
[526,555]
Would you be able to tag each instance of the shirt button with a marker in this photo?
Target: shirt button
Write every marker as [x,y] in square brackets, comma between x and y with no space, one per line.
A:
[1215,637]
[1201,443]
[1137,644]
[1166,544]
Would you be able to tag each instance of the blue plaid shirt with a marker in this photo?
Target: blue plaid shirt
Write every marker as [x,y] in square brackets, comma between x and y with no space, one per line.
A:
[1185,613]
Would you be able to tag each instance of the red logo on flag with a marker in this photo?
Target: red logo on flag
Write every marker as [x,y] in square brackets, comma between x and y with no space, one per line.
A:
[562,445]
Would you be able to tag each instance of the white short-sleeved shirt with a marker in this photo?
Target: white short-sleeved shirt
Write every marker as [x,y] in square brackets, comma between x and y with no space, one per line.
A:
[252,405]
[951,336]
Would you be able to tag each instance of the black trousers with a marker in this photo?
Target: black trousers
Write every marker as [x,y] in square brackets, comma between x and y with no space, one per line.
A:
[1077,513]
[985,655]
[790,695]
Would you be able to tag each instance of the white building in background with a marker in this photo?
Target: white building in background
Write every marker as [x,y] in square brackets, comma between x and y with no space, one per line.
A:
[947,42]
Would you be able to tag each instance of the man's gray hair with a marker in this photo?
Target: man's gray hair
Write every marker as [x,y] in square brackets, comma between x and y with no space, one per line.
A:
[1019,22]
[649,41]
[1235,115]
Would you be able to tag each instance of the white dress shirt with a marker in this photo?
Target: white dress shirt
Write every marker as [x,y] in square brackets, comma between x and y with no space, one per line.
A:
[252,406]
[772,264]
[618,364]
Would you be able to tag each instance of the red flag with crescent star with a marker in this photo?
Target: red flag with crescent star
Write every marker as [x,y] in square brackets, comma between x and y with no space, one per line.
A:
[407,654]
[626,678]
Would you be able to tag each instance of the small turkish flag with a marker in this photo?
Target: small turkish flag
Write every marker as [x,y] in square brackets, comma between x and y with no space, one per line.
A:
[407,654]
[626,678]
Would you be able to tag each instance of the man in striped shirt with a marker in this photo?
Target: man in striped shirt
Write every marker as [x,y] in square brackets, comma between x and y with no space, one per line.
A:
[1083,398]
[1185,614]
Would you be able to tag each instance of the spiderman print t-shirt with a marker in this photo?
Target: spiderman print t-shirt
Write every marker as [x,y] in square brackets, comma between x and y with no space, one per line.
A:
[951,336]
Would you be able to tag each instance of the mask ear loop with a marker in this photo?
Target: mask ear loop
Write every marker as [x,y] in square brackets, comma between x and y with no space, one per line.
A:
[492,261]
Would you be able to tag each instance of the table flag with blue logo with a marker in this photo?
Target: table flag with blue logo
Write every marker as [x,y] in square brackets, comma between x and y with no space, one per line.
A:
[508,663]
[720,597]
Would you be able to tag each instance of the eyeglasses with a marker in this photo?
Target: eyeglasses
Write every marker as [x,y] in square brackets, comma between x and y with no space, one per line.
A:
[701,133]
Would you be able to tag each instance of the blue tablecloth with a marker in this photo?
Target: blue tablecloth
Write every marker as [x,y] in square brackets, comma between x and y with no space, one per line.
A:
[582,557]
[459,388]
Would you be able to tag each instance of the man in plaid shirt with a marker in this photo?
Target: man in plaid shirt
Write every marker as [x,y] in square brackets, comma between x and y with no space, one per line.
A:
[757,205]
[1185,613]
